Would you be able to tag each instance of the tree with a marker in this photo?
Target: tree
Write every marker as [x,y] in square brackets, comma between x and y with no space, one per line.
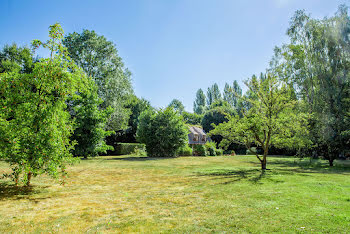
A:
[136,106]
[199,103]
[90,123]
[218,113]
[177,105]
[35,126]
[232,94]
[162,131]
[272,119]
[316,65]
[16,59]
[192,118]
[99,59]
[213,94]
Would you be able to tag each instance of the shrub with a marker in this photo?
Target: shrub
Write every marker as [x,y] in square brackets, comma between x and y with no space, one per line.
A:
[163,132]
[219,152]
[128,148]
[229,152]
[252,150]
[200,150]
[186,150]
[211,148]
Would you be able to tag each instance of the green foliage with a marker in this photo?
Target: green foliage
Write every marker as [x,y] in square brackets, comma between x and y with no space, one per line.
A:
[177,105]
[90,123]
[185,150]
[35,126]
[192,118]
[219,113]
[272,119]
[16,59]
[200,150]
[316,63]
[211,148]
[219,152]
[99,59]
[199,103]
[213,94]
[252,150]
[129,148]
[163,132]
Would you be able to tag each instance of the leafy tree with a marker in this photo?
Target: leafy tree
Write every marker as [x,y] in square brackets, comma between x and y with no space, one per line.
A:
[16,59]
[99,58]
[35,126]
[163,132]
[136,106]
[177,105]
[218,113]
[90,123]
[316,65]
[232,94]
[272,119]
[199,103]
[192,118]
[213,94]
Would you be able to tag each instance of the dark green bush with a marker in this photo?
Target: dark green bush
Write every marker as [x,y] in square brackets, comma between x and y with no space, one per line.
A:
[128,148]
[211,148]
[252,150]
[219,152]
[186,150]
[163,131]
[200,150]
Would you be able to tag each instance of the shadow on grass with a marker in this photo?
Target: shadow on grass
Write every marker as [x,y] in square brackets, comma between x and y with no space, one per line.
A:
[18,192]
[138,158]
[252,175]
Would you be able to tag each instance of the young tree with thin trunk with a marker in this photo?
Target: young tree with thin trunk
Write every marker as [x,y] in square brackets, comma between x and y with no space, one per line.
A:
[35,125]
[271,119]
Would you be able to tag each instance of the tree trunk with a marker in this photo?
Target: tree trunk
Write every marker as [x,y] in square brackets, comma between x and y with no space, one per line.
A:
[331,162]
[263,161]
[29,177]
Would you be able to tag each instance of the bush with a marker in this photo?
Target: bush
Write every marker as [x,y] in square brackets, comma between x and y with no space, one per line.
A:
[186,150]
[219,152]
[128,148]
[229,152]
[200,150]
[163,132]
[252,150]
[211,148]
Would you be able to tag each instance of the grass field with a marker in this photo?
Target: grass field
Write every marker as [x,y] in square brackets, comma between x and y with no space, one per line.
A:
[186,194]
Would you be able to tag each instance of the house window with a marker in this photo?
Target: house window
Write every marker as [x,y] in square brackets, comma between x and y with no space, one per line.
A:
[203,139]
[195,137]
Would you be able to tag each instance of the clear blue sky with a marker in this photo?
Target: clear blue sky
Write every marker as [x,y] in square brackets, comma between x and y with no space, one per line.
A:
[172,47]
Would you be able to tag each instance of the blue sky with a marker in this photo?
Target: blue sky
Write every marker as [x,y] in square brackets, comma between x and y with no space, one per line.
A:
[172,47]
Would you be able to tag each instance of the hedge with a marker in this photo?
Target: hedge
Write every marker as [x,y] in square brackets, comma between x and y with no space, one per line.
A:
[185,151]
[128,148]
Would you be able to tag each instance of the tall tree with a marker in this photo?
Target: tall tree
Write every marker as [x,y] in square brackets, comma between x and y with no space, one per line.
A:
[16,59]
[35,125]
[177,105]
[272,119]
[213,94]
[99,58]
[199,103]
[316,65]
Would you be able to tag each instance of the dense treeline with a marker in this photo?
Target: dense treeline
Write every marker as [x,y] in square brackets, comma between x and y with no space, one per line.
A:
[80,102]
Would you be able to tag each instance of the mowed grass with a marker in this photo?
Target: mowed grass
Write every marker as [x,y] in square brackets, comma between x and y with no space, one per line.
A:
[187,194]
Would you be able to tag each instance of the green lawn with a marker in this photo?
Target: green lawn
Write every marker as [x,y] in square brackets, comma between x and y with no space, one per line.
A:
[186,194]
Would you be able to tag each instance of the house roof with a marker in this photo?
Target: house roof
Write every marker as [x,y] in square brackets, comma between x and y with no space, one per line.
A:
[197,130]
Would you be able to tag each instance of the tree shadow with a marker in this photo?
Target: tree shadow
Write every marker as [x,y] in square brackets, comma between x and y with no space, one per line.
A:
[17,192]
[252,175]
[142,158]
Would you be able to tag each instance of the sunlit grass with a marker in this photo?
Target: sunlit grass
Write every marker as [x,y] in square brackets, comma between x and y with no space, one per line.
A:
[187,194]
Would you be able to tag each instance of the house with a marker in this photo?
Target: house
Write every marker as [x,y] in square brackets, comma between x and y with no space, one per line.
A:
[197,136]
